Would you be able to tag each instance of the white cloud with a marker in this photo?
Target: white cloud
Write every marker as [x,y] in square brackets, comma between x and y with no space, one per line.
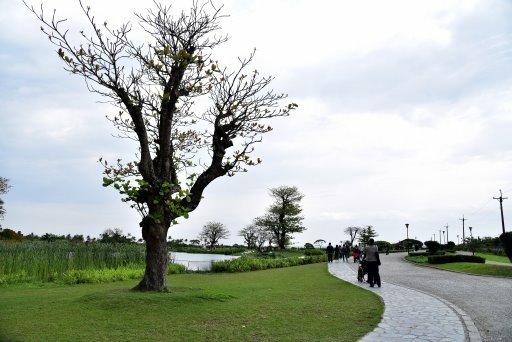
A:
[404,116]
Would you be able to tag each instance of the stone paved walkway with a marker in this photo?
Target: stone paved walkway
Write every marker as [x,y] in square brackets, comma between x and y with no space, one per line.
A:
[411,315]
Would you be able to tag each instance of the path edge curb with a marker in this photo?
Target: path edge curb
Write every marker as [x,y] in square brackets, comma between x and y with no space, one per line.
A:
[470,330]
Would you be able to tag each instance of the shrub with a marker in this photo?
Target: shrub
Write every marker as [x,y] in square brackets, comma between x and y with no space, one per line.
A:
[308,252]
[506,241]
[432,246]
[450,245]
[383,245]
[445,259]
[414,254]
[245,264]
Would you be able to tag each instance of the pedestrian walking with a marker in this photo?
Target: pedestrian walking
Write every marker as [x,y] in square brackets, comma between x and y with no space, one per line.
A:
[356,253]
[330,252]
[347,252]
[343,253]
[337,253]
[371,255]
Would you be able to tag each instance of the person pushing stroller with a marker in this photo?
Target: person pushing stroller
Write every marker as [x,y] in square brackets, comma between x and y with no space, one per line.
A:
[371,256]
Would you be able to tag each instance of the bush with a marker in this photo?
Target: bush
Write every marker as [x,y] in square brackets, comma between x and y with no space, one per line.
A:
[450,245]
[383,245]
[445,259]
[415,254]
[432,246]
[245,264]
[506,241]
[314,252]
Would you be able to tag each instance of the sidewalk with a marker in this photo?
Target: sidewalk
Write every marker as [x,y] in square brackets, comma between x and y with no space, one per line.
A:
[411,315]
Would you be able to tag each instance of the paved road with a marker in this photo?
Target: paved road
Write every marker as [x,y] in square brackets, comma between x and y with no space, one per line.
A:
[487,300]
[411,315]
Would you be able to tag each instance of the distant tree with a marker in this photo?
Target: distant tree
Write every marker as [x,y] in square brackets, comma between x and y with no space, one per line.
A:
[195,242]
[263,236]
[212,233]
[77,239]
[319,243]
[10,235]
[367,233]
[49,237]
[114,236]
[308,245]
[411,243]
[283,216]
[4,188]
[352,232]
[154,83]
[250,235]
[383,245]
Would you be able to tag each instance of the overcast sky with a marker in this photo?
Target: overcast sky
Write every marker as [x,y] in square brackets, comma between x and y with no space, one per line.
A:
[405,114]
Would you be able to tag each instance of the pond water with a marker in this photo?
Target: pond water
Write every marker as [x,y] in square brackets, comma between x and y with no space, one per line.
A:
[197,261]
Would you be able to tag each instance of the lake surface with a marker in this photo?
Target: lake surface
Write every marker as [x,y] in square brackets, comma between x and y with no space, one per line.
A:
[198,261]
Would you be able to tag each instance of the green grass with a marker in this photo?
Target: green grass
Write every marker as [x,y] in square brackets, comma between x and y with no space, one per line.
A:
[492,257]
[303,303]
[467,267]
[420,259]
[480,269]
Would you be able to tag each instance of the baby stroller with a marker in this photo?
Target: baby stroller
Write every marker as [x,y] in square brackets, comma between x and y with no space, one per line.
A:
[362,271]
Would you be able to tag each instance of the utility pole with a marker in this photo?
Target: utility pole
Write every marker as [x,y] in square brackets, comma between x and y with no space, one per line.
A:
[501,198]
[463,236]
[447,239]
[440,241]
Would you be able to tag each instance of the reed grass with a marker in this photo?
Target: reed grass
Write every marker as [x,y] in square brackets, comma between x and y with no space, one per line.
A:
[39,261]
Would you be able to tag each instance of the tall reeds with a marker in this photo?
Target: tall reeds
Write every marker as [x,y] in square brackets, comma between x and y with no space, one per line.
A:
[50,261]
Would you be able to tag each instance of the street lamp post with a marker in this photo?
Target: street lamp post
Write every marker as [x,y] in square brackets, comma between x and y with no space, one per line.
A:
[471,232]
[407,241]
[457,239]
[444,238]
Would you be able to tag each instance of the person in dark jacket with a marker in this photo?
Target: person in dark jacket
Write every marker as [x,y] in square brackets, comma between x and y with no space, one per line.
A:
[330,252]
[371,255]
[337,253]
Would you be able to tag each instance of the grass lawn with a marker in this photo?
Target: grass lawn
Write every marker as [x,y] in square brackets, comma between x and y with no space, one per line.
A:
[466,267]
[302,303]
[480,269]
[492,257]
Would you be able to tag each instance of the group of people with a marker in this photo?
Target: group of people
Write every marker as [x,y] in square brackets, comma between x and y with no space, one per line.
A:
[370,255]
[343,252]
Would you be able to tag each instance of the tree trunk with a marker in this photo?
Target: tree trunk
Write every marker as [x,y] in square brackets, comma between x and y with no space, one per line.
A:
[157,257]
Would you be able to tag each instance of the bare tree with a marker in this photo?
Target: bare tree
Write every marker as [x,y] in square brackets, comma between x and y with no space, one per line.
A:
[154,86]
[212,233]
[255,236]
[262,236]
[283,216]
[250,235]
[352,231]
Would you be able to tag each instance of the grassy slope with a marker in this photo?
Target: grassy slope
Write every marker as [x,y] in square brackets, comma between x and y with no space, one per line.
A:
[297,303]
